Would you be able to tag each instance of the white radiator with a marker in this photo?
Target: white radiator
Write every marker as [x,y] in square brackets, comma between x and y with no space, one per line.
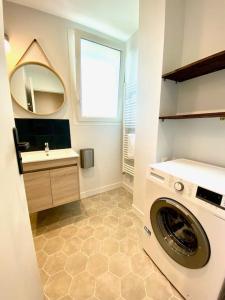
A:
[129,124]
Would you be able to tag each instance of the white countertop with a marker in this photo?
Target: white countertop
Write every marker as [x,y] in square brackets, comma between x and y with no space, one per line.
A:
[37,156]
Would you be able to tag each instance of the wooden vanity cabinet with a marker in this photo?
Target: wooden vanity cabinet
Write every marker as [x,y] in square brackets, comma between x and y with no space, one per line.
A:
[38,190]
[51,183]
[63,184]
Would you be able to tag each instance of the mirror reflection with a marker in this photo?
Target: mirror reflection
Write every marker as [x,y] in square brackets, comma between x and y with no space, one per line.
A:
[37,88]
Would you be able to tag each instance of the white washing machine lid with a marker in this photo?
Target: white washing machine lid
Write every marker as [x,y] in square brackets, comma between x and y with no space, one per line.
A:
[204,175]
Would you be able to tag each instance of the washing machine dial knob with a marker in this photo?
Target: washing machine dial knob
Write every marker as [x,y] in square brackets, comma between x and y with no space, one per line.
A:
[179,186]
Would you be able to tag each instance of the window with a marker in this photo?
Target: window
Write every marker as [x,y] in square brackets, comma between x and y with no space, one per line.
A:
[99,80]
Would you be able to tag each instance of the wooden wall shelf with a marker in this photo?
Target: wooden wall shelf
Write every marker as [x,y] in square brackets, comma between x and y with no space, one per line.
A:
[201,67]
[193,116]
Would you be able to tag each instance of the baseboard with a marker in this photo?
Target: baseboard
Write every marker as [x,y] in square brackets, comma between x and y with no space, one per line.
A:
[139,212]
[127,187]
[99,190]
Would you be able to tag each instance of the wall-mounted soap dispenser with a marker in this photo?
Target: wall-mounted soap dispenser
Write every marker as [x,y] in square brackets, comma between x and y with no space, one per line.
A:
[87,158]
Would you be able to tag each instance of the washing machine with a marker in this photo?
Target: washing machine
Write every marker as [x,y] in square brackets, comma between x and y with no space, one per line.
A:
[185,226]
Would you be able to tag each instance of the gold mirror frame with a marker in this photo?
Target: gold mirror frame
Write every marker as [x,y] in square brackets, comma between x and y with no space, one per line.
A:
[49,68]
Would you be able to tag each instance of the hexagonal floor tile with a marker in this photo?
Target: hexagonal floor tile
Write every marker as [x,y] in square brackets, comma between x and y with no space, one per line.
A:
[96,221]
[107,287]
[119,264]
[44,276]
[101,233]
[104,211]
[39,242]
[85,232]
[110,221]
[91,246]
[120,233]
[134,234]
[129,247]
[110,246]
[55,263]
[124,204]
[76,263]
[82,286]
[41,258]
[72,246]
[156,289]
[67,297]
[58,285]
[141,264]
[105,197]
[97,264]
[125,221]
[133,288]
[68,232]
[137,221]
[97,203]
[53,245]
[117,212]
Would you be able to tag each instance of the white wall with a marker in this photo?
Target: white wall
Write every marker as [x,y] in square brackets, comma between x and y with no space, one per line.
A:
[151,39]
[172,56]
[19,276]
[131,74]
[203,35]
[202,140]
[203,30]
[23,25]
[199,26]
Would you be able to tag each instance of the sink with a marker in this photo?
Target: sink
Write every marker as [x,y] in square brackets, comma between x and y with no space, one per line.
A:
[36,156]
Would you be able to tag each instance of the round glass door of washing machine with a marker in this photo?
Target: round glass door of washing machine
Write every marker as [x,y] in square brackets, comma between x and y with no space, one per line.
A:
[179,233]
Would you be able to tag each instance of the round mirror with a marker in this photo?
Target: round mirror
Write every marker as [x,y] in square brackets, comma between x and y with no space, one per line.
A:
[37,88]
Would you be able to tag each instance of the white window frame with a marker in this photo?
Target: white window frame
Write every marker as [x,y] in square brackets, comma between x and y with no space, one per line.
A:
[108,42]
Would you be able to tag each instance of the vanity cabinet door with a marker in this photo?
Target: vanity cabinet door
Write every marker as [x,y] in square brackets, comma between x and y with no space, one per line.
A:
[65,185]
[38,190]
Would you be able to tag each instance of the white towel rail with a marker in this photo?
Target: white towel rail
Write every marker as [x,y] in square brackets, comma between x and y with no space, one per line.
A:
[129,124]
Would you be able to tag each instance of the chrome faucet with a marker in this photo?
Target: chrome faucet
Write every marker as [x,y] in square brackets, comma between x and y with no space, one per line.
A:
[46,148]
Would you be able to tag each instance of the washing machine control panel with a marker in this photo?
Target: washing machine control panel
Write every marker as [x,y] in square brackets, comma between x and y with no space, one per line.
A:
[192,191]
[210,197]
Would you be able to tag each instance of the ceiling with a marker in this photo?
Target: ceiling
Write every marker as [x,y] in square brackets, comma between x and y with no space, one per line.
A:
[118,18]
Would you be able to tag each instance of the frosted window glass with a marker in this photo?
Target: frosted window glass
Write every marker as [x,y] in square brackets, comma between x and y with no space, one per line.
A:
[100,71]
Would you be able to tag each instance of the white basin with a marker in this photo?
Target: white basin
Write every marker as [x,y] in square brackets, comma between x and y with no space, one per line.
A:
[36,156]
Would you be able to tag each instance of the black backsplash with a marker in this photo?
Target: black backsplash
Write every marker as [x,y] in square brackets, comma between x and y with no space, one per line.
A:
[39,131]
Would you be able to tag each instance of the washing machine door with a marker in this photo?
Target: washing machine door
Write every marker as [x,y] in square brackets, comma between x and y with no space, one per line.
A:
[179,233]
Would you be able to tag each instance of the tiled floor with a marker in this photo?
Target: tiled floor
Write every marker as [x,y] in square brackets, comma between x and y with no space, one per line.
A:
[92,250]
